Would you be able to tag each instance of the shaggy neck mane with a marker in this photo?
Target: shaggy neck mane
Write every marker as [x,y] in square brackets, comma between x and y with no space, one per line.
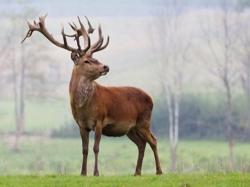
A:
[81,90]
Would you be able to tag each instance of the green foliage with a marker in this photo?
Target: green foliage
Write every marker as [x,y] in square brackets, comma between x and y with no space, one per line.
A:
[245,2]
[202,117]
[171,180]
[242,4]
[68,130]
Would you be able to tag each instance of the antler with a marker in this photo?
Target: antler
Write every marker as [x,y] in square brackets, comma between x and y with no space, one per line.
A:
[40,27]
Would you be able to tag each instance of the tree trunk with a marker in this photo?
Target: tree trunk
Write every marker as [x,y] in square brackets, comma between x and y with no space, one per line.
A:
[17,135]
[20,120]
[170,111]
[17,121]
[173,151]
[248,95]
[229,125]
[173,111]
[22,88]
[171,127]
[14,79]
[226,80]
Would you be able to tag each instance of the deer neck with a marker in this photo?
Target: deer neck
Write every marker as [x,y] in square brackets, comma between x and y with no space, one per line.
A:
[81,90]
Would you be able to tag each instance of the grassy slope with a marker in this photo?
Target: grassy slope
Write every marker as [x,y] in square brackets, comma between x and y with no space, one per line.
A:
[172,180]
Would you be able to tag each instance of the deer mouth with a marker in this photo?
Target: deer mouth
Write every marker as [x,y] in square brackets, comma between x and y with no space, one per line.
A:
[104,73]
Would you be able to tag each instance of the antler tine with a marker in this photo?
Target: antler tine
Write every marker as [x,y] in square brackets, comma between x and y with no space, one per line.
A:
[98,42]
[98,45]
[78,31]
[29,33]
[103,47]
[90,29]
[75,26]
[86,38]
[94,49]
[42,19]
[32,28]
[68,35]
[76,35]
[72,26]
[63,35]
[100,37]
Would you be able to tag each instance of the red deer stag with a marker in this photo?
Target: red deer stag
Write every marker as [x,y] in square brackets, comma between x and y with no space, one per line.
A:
[111,111]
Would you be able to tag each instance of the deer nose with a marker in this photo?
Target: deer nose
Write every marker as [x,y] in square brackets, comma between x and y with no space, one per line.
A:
[106,68]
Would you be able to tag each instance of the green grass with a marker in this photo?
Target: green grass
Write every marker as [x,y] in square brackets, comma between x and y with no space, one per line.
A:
[166,180]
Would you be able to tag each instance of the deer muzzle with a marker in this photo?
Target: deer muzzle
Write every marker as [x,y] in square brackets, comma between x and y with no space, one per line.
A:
[106,68]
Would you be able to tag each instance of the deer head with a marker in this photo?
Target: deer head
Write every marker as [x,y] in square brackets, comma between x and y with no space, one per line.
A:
[85,64]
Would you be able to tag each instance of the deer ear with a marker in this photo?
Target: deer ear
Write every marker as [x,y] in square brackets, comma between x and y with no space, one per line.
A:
[75,57]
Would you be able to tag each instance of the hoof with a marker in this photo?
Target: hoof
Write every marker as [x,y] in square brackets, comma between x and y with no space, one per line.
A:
[137,174]
[158,172]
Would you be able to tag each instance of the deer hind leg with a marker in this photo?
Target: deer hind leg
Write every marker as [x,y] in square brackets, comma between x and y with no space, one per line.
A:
[149,137]
[141,144]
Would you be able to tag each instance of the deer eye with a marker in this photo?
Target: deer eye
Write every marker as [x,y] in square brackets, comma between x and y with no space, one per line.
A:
[86,62]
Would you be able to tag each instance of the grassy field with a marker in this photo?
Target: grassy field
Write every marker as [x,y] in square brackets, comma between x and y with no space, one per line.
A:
[40,115]
[118,156]
[166,180]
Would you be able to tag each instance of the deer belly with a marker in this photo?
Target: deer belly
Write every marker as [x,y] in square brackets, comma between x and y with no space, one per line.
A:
[117,129]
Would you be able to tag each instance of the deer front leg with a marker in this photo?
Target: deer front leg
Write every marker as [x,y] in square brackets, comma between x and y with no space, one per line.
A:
[98,134]
[85,149]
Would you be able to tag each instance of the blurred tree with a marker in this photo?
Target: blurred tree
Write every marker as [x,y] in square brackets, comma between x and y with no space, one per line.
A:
[243,53]
[171,47]
[3,47]
[26,71]
[220,33]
